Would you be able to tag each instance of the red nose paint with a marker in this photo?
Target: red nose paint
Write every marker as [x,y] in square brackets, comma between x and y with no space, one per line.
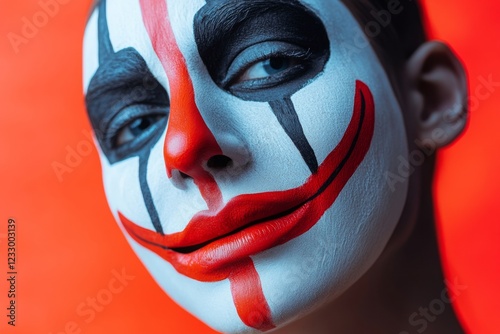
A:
[189,143]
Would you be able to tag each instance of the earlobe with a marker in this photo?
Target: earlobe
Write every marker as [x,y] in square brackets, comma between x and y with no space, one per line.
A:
[438,92]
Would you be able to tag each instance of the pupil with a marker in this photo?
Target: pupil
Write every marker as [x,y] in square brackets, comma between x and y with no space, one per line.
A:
[139,125]
[277,64]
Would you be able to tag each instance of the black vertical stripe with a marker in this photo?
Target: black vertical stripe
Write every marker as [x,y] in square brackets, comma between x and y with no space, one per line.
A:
[146,192]
[106,53]
[284,111]
[105,46]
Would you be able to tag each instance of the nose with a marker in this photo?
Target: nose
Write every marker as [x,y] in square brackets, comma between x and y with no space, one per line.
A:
[189,144]
[192,151]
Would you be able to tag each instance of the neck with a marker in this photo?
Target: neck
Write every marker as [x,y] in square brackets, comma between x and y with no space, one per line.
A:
[403,292]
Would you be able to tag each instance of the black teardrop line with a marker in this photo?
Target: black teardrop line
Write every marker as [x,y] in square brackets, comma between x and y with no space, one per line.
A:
[146,192]
[284,111]
[105,46]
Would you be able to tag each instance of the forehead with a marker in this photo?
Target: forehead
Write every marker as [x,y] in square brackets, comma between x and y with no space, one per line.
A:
[126,24]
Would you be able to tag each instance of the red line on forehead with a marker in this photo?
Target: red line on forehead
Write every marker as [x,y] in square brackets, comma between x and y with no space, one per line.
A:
[157,23]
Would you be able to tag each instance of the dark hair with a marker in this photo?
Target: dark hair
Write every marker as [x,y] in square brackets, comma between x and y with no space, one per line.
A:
[394,27]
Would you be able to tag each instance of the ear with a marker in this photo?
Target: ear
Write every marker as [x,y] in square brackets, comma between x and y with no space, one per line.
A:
[438,93]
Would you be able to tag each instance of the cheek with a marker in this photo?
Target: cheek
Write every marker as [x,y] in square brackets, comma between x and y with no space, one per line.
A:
[123,189]
[324,108]
[323,263]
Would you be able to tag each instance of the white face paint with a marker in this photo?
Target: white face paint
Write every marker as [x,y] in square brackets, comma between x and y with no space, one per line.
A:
[160,178]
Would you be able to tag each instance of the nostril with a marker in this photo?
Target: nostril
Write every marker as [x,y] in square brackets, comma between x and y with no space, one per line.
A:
[184,175]
[219,162]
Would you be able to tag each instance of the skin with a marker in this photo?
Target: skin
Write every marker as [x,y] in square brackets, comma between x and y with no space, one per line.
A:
[428,96]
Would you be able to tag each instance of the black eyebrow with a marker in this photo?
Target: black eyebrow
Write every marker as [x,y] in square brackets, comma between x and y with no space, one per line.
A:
[115,69]
[120,70]
[114,81]
[122,81]
[219,19]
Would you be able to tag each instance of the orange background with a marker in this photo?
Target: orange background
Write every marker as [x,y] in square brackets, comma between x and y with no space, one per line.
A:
[69,245]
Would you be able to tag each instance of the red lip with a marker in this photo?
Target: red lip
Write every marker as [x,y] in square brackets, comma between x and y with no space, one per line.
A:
[249,224]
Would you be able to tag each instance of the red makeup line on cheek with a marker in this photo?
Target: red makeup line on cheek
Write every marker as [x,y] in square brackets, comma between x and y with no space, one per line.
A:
[188,144]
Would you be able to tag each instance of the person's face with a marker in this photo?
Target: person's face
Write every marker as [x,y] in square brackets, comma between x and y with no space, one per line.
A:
[244,156]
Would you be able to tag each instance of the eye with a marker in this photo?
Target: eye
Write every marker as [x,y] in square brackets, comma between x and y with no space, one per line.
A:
[268,67]
[135,129]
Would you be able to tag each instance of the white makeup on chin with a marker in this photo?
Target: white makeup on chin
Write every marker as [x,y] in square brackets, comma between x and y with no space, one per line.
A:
[266,155]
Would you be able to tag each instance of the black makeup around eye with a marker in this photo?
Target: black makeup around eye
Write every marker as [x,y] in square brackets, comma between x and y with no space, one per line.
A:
[124,90]
[230,33]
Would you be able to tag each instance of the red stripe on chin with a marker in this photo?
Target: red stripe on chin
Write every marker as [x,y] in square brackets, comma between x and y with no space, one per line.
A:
[248,297]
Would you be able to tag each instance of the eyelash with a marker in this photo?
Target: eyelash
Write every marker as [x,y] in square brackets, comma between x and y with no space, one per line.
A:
[116,127]
[303,56]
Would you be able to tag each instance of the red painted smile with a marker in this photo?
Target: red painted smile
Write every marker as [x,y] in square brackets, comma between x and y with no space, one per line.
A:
[212,243]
